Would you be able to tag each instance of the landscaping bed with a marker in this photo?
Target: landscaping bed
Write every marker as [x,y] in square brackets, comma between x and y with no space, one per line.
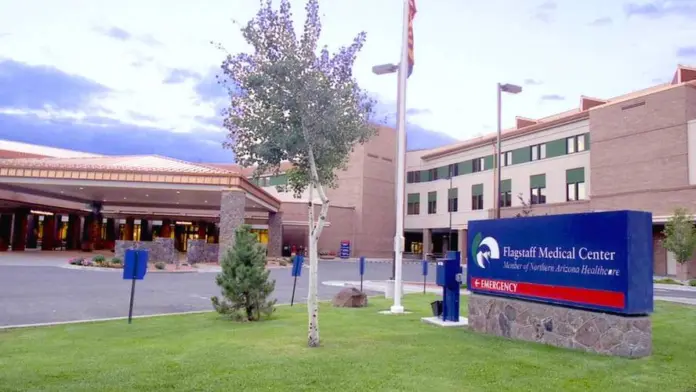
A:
[361,351]
[100,261]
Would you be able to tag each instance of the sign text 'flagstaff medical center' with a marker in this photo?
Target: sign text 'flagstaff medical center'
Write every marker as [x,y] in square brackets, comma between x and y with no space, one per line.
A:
[601,261]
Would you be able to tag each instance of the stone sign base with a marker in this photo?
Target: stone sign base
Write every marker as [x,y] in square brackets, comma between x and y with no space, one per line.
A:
[559,326]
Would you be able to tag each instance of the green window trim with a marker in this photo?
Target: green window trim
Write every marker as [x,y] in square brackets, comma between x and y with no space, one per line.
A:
[537,181]
[414,197]
[556,148]
[488,162]
[280,179]
[425,175]
[575,175]
[506,185]
[477,190]
[466,167]
[521,155]
[443,172]
[432,196]
[453,193]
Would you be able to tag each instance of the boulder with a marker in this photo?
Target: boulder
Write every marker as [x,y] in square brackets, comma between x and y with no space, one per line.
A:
[350,297]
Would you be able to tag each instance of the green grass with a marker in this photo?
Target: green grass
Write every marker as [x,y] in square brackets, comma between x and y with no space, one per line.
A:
[362,351]
[668,281]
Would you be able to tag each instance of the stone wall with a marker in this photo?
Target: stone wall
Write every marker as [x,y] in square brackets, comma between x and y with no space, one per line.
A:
[559,326]
[161,249]
[232,206]
[199,251]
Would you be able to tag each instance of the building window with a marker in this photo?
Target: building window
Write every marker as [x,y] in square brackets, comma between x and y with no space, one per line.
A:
[537,189]
[538,152]
[453,170]
[477,165]
[477,197]
[505,199]
[432,202]
[433,174]
[506,158]
[575,184]
[575,144]
[413,206]
[413,177]
[537,195]
[452,200]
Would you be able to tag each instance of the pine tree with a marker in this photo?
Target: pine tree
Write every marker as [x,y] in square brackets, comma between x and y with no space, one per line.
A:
[244,280]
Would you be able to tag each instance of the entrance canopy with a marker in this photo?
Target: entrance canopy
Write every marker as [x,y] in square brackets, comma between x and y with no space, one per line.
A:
[148,185]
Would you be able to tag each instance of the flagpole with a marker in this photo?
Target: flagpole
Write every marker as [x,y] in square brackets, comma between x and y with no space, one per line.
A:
[400,162]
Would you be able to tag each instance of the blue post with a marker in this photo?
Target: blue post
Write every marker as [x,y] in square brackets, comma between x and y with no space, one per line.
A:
[362,271]
[452,274]
[296,271]
[424,266]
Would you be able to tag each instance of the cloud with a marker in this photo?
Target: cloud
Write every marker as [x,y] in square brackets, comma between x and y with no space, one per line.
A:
[545,11]
[111,137]
[120,34]
[605,21]
[417,112]
[686,51]
[661,8]
[178,75]
[552,97]
[24,86]
[533,82]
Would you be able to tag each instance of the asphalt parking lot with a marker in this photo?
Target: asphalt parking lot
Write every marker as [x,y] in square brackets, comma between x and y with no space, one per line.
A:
[44,292]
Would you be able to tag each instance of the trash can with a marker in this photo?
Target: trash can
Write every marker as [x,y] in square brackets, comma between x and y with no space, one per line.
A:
[437,308]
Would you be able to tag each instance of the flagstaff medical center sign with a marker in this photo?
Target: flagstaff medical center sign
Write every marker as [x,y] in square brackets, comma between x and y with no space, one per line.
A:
[598,261]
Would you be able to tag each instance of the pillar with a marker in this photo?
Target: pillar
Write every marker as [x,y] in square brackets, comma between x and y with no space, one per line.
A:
[427,243]
[275,234]
[72,242]
[32,231]
[128,229]
[202,230]
[166,229]
[111,229]
[232,205]
[5,231]
[462,244]
[48,238]
[145,230]
[19,238]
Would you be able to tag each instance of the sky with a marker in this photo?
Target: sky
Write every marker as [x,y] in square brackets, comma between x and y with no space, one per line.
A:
[132,76]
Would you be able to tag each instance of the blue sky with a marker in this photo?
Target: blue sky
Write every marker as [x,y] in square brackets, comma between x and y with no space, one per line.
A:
[138,77]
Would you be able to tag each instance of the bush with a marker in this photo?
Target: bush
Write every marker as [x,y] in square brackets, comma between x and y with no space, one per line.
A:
[76,261]
[283,263]
[244,280]
[99,259]
[116,260]
[667,281]
[160,265]
[692,283]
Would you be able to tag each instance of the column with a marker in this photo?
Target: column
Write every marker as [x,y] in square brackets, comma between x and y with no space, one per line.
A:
[427,243]
[232,205]
[19,238]
[462,244]
[72,242]
[275,234]
[5,231]
[111,229]
[49,232]
[202,230]
[128,229]
[145,230]
[32,232]
[166,229]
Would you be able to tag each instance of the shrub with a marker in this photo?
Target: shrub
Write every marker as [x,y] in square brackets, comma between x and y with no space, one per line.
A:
[667,281]
[692,283]
[116,260]
[244,280]
[283,263]
[160,265]
[99,259]
[76,261]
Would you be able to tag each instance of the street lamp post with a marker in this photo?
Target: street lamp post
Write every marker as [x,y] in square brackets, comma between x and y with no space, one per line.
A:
[511,89]
[450,207]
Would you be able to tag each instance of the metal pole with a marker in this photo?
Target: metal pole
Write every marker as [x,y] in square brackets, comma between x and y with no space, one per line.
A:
[497,158]
[292,299]
[132,296]
[400,164]
[450,206]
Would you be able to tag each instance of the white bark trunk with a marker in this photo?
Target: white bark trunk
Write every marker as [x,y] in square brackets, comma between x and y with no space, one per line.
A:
[314,234]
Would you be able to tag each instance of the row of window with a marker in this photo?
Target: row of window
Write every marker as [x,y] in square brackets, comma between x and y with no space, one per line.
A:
[575,190]
[569,145]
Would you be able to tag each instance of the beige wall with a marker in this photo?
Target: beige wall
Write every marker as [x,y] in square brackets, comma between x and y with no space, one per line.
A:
[554,168]
[340,226]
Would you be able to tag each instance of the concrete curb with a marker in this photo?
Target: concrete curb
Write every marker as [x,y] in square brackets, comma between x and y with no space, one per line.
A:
[83,268]
[143,316]
[673,287]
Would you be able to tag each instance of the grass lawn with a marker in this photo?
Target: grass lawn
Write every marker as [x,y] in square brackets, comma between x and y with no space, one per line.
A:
[362,351]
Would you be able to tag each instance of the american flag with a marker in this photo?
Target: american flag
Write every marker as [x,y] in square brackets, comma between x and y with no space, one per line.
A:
[411,15]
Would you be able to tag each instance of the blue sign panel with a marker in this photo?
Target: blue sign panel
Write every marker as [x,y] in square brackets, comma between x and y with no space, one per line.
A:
[345,250]
[297,265]
[135,264]
[599,261]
